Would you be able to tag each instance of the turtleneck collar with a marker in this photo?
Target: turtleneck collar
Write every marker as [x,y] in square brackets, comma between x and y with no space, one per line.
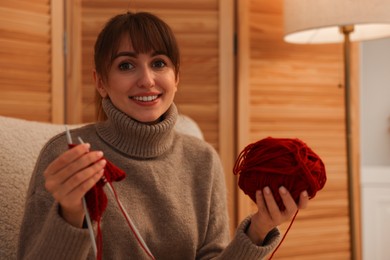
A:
[134,138]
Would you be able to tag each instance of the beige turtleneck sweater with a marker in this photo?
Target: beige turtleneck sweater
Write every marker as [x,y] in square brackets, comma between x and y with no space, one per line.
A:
[174,192]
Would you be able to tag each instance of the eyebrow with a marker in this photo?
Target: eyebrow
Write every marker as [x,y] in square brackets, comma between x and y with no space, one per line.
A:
[134,54]
[124,53]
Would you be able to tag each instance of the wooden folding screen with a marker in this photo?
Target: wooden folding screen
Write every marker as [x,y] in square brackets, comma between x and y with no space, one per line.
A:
[31,60]
[296,91]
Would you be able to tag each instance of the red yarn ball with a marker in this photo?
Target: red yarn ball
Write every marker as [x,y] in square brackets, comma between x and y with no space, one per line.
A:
[276,162]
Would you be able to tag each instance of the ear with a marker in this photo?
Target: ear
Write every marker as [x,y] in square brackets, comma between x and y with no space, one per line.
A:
[99,84]
[177,81]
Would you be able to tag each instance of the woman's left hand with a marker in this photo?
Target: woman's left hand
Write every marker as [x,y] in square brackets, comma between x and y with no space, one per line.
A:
[269,215]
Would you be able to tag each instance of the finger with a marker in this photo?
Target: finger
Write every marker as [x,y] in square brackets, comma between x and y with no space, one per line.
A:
[303,200]
[262,208]
[66,158]
[73,199]
[81,163]
[53,181]
[288,201]
[72,202]
[272,206]
[79,178]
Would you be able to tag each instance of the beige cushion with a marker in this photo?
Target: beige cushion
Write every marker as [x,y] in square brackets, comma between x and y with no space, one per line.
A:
[20,144]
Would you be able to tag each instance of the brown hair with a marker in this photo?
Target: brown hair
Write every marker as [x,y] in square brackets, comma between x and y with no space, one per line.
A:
[147,33]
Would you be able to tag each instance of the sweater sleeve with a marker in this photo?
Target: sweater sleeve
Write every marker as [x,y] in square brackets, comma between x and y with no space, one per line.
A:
[241,247]
[44,234]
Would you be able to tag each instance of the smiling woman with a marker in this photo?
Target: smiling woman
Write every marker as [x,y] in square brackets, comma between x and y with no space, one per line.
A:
[171,178]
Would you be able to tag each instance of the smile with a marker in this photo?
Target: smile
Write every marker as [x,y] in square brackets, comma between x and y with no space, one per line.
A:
[145,98]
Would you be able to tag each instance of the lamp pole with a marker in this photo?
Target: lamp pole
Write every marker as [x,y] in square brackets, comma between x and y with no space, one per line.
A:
[346,30]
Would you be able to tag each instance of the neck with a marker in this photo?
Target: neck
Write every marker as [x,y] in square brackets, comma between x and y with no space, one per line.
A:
[134,138]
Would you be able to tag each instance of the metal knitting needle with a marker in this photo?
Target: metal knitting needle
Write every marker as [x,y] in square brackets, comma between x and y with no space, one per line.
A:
[87,217]
[131,223]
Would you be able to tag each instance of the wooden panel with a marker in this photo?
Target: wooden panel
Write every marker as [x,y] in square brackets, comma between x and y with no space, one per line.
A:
[31,60]
[227,107]
[57,63]
[196,26]
[296,91]
[204,30]
[73,95]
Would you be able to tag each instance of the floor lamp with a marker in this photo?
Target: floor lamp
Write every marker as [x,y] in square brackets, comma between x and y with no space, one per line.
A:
[332,21]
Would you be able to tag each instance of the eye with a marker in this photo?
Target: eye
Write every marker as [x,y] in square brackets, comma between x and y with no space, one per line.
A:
[125,66]
[159,64]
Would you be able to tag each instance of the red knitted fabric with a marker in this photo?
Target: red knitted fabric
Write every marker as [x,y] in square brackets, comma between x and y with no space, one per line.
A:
[276,162]
[96,198]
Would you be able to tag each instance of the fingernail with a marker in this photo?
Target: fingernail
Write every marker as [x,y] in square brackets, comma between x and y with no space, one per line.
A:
[305,194]
[267,190]
[99,153]
[283,190]
[88,145]
[258,193]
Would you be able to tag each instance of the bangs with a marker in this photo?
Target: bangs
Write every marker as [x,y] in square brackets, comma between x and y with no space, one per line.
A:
[147,36]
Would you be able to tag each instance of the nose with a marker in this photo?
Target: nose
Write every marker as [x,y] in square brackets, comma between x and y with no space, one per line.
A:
[146,78]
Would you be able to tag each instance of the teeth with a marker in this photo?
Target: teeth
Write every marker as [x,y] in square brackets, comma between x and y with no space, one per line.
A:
[145,98]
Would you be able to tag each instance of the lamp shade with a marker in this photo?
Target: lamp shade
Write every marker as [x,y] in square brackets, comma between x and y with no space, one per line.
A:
[318,21]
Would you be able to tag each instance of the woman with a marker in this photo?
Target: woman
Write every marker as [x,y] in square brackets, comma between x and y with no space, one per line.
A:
[174,188]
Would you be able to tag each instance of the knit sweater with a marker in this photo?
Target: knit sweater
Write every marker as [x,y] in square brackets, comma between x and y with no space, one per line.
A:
[174,192]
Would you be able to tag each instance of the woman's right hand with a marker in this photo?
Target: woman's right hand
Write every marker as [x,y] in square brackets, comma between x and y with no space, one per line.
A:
[69,177]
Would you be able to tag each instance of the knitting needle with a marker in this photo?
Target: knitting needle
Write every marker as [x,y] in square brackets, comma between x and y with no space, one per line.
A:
[87,217]
[132,225]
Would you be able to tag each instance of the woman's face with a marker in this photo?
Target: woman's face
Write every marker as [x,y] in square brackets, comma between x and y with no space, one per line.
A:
[142,85]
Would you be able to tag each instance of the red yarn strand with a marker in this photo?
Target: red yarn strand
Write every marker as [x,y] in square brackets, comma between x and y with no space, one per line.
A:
[139,239]
[99,242]
[284,236]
